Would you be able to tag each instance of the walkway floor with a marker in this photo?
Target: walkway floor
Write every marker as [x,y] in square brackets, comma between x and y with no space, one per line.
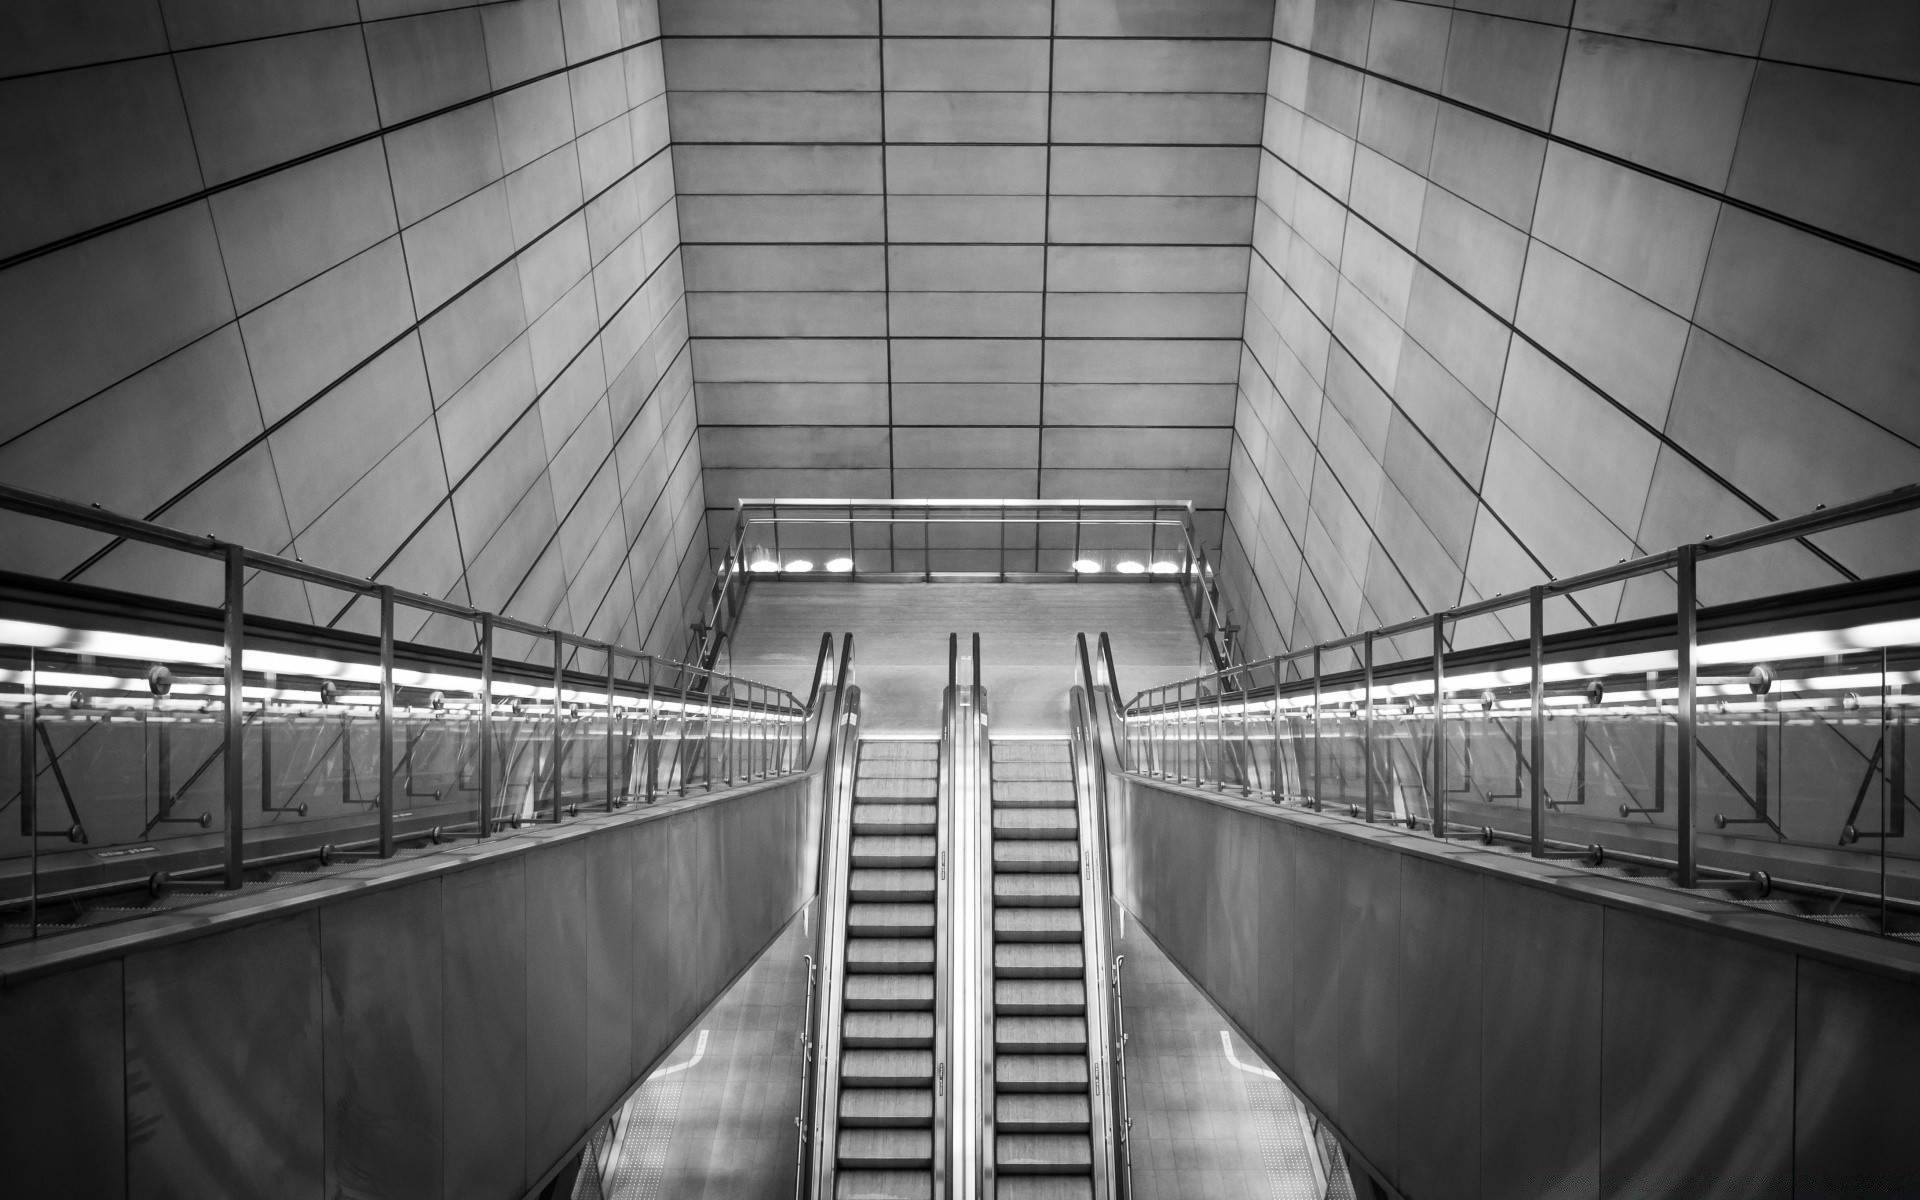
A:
[715,1121]
[1210,1121]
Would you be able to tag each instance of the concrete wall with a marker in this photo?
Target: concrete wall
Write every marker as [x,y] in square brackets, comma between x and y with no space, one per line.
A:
[966,249]
[393,291]
[439,1026]
[1481,1025]
[1545,285]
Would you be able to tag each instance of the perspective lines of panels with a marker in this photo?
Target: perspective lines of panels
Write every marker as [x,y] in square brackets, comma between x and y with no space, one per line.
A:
[967,249]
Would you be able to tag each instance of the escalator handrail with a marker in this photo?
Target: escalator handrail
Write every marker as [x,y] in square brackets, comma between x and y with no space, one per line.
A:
[1112,1152]
[820,1115]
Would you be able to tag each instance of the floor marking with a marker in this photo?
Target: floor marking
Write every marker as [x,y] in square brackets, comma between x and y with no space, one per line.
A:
[1226,1043]
[700,1052]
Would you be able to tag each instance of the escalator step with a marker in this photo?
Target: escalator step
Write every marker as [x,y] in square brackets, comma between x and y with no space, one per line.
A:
[1040,1072]
[1040,1112]
[890,1030]
[1027,793]
[1040,997]
[1043,1187]
[893,853]
[1060,769]
[1036,823]
[1036,925]
[886,1068]
[890,956]
[1038,960]
[883,1149]
[1032,889]
[872,750]
[1050,855]
[884,993]
[889,920]
[883,1185]
[1031,752]
[1037,1035]
[890,887]
[892,820]
[883,1108]
[1041,1153]
[897,768]
[890,788]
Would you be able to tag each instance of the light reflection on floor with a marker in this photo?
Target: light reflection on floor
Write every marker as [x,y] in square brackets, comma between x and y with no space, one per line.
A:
[716,1120]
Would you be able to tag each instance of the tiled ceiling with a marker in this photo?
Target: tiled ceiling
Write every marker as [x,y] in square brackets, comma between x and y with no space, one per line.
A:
[985,249]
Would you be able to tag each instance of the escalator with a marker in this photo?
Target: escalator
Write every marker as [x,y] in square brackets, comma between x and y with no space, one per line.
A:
[1042,1102]
[884,1150]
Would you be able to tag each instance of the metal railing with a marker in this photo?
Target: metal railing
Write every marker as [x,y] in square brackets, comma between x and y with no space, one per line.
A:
[1756,745]
[1019,541]
[1106,1025]
[166,746]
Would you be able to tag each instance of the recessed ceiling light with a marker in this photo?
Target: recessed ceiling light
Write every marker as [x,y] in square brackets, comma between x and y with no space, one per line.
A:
[798,564]
[839,564]
[1086,566]
[1129,567]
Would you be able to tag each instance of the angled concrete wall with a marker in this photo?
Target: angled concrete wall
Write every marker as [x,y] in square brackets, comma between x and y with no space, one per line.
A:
[1477,1024]
[446,1025]
[966,249]
[394,291]
[1543,286]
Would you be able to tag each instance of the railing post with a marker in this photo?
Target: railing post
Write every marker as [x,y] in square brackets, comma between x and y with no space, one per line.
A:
[30,787]
[1687,642]
[1316,729]
[1367,677]
[486,724]
[559,741]
[1537,736]
[651,764]
[386,720]
[610,723]
[1439,805]
[235,727]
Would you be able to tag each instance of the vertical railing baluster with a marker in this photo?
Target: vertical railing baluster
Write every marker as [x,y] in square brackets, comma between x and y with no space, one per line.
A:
[559,737]
[1317,801]
[1367,742]
[609,652]
[1687,643]
[386,720]
[1438,807]
[235,783]
[1537,737]
[486,724]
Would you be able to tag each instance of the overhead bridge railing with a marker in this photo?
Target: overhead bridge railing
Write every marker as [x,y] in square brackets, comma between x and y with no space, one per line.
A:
[1759,746]
[151,749]
[1005,541]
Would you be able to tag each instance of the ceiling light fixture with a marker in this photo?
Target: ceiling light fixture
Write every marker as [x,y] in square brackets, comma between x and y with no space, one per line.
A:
[1086,566]
[840,564]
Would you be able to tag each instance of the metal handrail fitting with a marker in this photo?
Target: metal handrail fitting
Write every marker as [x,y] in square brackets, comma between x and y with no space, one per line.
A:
[1111,1162]
[1299,692]
[1195,572]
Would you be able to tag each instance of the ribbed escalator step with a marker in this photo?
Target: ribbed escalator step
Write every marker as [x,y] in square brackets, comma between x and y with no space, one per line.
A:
[1040,1072]
[876,748]
[1029,793]
[1040,1112]
[883,1185]
[893,820]
[1037,1035]
[1040,997]
[1049,855]
[890,956]
[882,993]
[1036,925]
[1038,960]
[890,887]
[893,853]
[898,768]
[889,920]
[887,1149]
[891,788]
[1041,1153]
[1033,889]
[1011,751]
[886,1068]
[1035,823]
[885,1030]
[1060,769]
[894,1108]
[1043,1187]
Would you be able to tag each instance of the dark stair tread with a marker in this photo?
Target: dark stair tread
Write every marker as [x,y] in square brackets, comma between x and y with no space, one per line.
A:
[886,1029]
[1038,960]
[909,886]
[1036,925]
[1043,1153]
[1040,997]
[1041,1112]
[1040,1035]
[1040,1072]
[881,1108]
[1036,889]
[881,993]
[890,956]
[883,1185]
[1047,856]
[886,1068]
[885,1148]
